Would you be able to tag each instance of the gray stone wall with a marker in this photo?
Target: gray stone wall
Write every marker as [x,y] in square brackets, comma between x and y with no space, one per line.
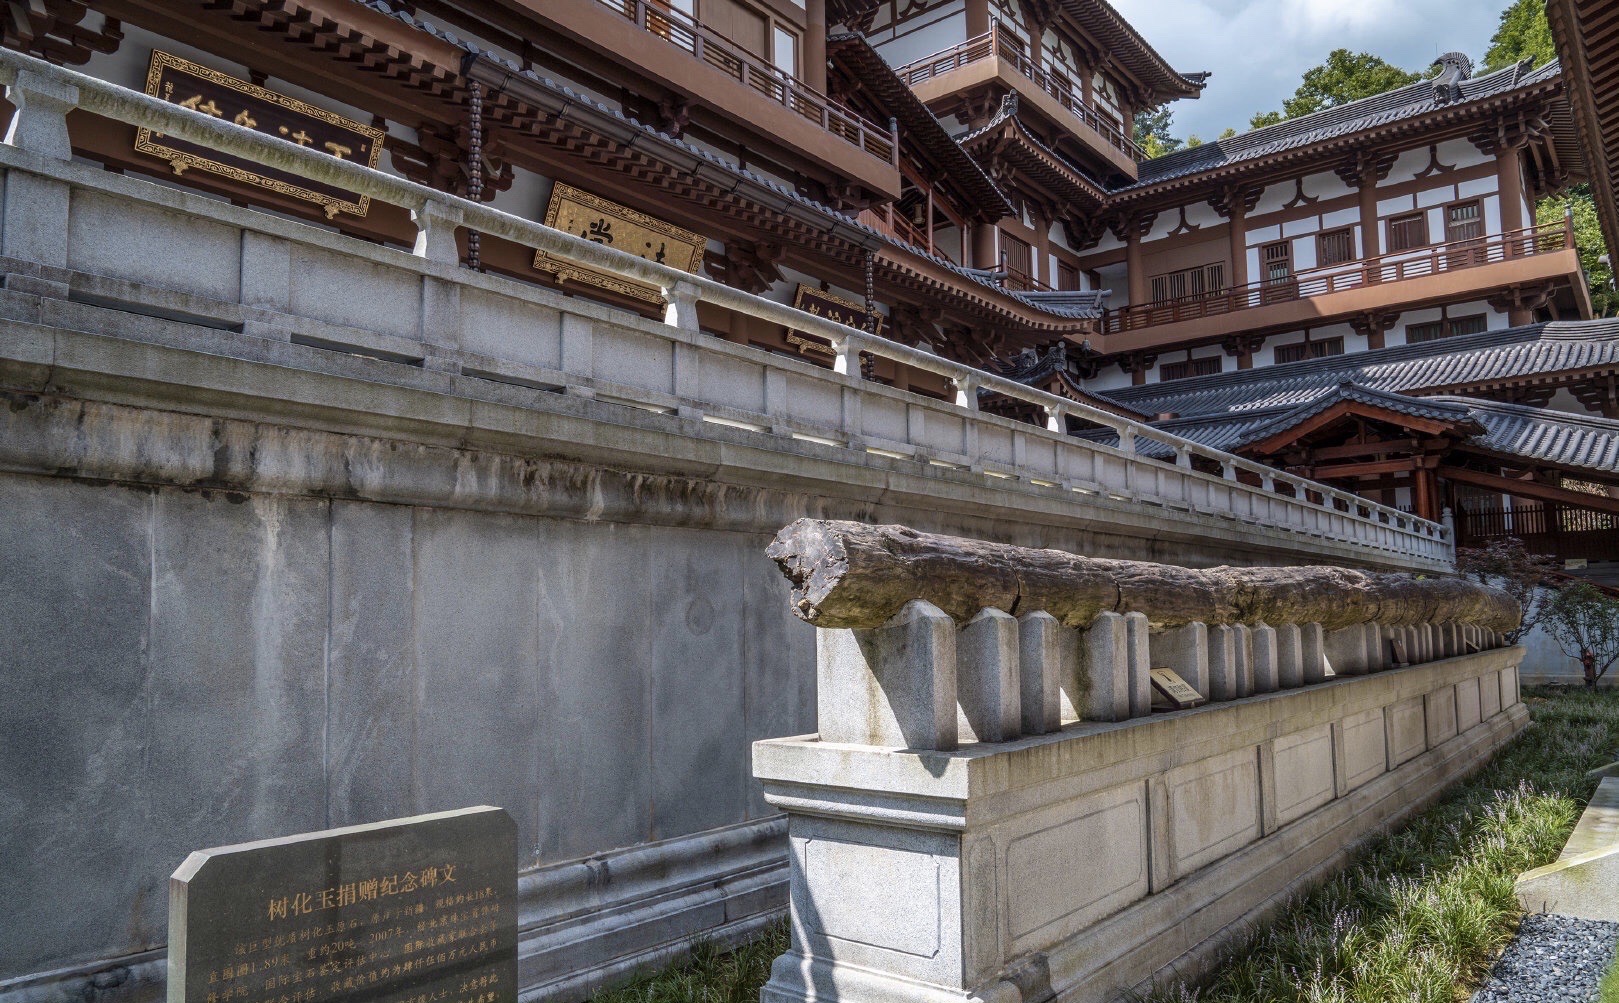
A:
[194,668]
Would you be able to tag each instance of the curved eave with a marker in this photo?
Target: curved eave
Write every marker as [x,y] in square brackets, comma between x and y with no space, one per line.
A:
[1126,46]
[1035,162]
[1436,125]
[1586,33]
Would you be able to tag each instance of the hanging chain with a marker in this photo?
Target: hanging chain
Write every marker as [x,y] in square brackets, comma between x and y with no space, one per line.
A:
[474,167]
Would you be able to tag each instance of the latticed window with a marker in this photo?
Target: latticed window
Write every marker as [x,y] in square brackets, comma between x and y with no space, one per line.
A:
[1277,260]
[1302,350]
[1189,283]
[1067,276]
[1336,247]
[1019,261]
[1463,221]
[1446,328]
[1191,367]
[1408,231]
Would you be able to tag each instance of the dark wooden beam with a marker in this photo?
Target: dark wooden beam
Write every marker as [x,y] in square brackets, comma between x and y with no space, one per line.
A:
[1530,489]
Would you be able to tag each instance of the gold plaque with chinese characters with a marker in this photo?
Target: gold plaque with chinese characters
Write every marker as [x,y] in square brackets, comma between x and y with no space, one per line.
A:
[824,303]
[595,218]
[221,95]
[1171,692]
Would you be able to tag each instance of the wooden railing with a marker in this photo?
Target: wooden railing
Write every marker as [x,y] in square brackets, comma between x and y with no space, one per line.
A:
[1398,266]
[997,42]
[896,224]
[1562,531]
[754,71]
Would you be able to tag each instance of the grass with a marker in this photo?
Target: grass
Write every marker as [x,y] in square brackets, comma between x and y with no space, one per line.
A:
[1423,912]
[1608,992]
[1419,915]
[710,974]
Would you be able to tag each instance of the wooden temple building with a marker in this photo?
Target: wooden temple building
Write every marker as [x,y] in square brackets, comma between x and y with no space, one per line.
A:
[1361,295]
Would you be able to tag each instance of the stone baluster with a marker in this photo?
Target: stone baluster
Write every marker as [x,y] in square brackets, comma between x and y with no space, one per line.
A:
[890,686]
[1040,672]
[988,687]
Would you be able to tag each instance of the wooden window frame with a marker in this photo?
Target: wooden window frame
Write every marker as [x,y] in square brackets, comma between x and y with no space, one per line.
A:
[1421,215]
[1447,327]
[1189,368]
[1347,232]
[1483,229]
[1190,275]
[1308,350]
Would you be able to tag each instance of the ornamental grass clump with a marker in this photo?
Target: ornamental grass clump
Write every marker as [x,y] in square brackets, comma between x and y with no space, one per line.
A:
[1422,912]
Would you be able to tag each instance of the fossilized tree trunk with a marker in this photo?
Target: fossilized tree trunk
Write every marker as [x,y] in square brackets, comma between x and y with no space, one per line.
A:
[848,574]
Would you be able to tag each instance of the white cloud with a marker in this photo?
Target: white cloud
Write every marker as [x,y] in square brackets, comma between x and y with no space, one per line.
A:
[1259,49]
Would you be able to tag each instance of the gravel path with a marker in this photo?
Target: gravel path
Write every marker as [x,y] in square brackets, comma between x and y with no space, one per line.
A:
[1554,959]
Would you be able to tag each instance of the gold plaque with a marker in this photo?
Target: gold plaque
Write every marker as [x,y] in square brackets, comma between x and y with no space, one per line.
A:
[595,218]
[1176,693]
[823,303]
[221,95]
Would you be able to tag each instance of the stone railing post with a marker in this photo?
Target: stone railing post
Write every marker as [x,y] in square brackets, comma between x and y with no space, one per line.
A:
[39,124]
[1040,672]
[681,306]
[1104,662]
[435,232]
[988,683]
[892,686]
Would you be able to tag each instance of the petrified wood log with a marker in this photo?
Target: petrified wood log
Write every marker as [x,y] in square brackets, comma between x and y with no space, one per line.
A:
[848,574]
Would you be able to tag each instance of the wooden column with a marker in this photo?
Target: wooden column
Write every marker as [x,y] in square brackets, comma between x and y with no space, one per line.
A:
[1371,241]
[977,17]
[1132,264]
[1509,170]
[815,44]
[1237,241]
[986,246]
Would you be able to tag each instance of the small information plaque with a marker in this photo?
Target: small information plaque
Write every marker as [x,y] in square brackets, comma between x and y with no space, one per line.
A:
[1171,692]
[1397,652]
[413,910]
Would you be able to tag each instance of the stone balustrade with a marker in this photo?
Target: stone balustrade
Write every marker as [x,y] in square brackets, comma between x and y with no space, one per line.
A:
[993,809]
[262,278]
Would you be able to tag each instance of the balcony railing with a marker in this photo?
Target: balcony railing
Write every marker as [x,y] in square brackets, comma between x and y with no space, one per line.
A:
[998,42]
[896,224]
[1398,266]
[752,70]
[835,408]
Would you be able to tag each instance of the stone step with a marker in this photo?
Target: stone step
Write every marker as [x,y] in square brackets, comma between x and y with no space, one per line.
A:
[1584,880]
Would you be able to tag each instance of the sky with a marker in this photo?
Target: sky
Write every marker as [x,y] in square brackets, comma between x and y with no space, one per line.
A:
[1259,49]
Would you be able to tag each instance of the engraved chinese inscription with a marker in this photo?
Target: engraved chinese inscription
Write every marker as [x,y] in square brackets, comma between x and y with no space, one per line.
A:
[830,305]
[622,228]
[221,95]
[417,910]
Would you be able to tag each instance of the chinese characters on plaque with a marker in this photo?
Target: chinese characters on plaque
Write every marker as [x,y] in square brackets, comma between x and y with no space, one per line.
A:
[415,910]
[594,218]
[833,307]
[211,92]
[1171,692]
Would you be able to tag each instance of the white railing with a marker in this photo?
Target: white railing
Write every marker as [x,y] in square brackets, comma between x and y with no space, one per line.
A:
[1045,457]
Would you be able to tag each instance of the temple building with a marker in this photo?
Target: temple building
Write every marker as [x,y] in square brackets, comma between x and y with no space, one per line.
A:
[963,176]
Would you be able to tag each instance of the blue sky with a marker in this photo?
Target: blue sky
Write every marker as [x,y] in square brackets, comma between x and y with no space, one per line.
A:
[1258,49]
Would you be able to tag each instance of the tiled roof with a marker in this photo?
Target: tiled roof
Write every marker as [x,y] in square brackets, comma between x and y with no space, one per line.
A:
[1342,120]
[918,125]
[1566,439]
[1581,442]
[1043,163]
[1124,44]
[1416,407]
[1454,362]
[1069,302]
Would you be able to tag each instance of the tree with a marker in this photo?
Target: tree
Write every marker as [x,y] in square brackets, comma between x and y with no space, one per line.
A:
[1579,203]
[1508,565]
[1585,624]
[1345,76]
[1523,34]
[1152,131]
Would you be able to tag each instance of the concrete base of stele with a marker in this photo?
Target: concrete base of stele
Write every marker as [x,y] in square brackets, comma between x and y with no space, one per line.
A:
[1105,858]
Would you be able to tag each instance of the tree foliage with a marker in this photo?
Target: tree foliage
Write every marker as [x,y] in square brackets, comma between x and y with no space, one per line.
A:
[1582,207]
[1152,131]
[1523,34]
[1585,624]
[1345,76]
[1508,565]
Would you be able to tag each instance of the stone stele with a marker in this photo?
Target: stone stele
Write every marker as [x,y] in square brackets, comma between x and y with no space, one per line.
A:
[412,910]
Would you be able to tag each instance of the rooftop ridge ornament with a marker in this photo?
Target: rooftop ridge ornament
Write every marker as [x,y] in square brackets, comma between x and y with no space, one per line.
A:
[1454,67]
